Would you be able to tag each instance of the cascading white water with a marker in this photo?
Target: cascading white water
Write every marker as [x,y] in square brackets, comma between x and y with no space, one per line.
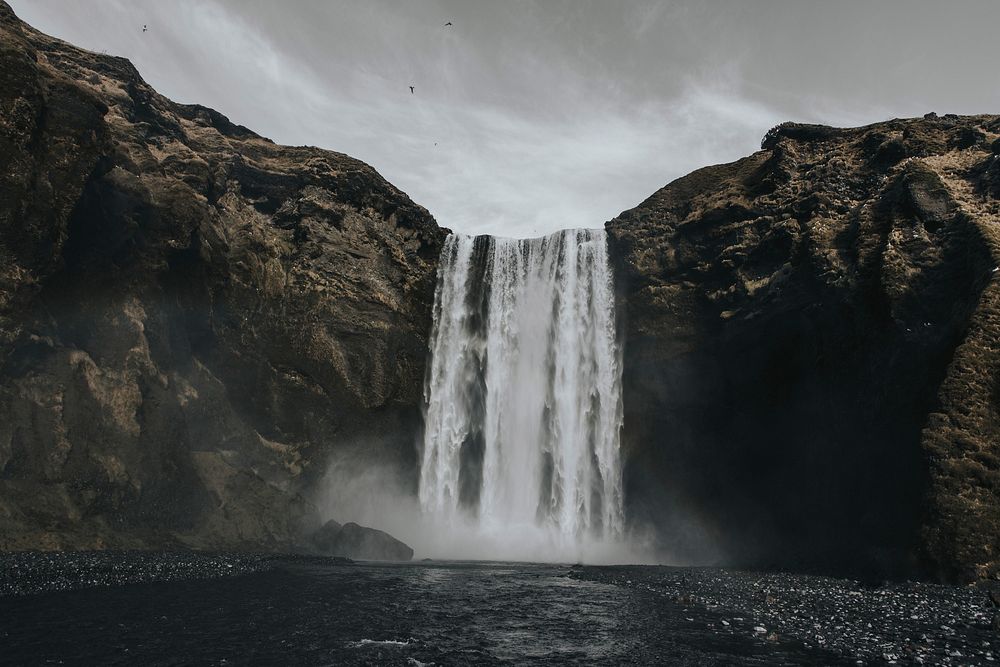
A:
[523,395]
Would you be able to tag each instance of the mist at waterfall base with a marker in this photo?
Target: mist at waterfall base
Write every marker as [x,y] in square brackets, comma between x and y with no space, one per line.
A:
[519,459]
[384,497]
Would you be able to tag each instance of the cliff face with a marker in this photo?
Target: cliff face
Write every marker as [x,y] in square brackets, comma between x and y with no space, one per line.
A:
[812,372]
[191,317]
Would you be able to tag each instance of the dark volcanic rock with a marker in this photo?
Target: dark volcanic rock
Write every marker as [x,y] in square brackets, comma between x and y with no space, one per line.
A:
[190,315]
[354,541]
[813,351]
[325,537]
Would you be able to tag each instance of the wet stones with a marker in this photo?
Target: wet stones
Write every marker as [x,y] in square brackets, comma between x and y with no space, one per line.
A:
[909,623]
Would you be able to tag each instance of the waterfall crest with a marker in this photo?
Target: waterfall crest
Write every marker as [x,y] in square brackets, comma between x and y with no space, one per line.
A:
[523,405]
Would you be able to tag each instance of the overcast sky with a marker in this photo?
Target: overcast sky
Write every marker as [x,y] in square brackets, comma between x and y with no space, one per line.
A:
[529,117]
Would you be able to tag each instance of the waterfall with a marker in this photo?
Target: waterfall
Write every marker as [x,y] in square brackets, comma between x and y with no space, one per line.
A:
[523,405]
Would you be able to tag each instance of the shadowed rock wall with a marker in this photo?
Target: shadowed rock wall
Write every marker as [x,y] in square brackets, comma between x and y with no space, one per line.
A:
[812,352]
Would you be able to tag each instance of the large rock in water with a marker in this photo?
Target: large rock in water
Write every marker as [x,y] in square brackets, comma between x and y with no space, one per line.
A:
[190,315]
[812,365]
[354,541]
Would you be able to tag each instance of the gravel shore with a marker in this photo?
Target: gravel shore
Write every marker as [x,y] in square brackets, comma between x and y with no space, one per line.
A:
[895,623]
[31,572]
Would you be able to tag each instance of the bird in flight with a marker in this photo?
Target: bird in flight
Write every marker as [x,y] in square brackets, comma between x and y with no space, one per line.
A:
[448,23]
[144,27]
[411,90]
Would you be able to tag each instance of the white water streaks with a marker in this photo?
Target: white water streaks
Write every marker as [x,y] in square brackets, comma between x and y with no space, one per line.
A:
[523,396]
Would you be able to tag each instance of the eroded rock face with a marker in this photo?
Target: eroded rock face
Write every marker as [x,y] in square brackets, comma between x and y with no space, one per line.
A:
[813,351]
[191,317]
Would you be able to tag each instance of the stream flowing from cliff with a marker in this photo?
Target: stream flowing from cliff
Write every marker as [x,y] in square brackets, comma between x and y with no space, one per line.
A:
[523,395]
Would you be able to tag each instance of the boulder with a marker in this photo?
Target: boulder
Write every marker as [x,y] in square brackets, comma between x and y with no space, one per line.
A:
[325,537]
[360,542]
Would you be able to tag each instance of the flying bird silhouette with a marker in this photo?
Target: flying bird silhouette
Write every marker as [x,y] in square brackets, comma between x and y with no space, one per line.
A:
[411,90]
[448,23]
[144,27]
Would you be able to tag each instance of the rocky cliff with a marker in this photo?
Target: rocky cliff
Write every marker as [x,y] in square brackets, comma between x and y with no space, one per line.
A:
[191,317]
[812,372]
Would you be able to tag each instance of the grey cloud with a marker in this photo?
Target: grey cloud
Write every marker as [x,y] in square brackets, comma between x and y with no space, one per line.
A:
[545,114]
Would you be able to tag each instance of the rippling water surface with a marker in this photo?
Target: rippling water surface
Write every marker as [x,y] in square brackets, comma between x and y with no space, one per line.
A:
[340,614]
